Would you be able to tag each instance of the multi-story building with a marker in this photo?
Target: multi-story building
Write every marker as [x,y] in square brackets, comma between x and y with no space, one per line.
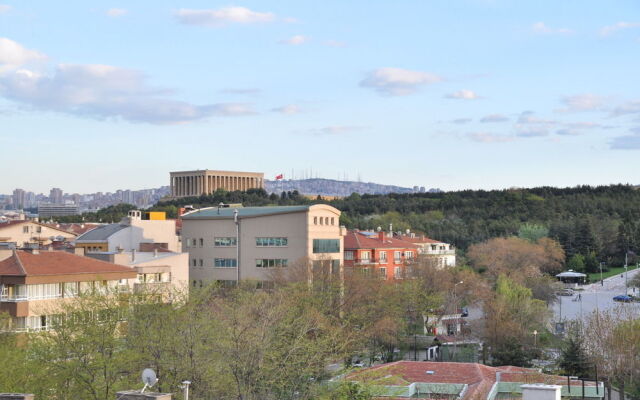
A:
[378,253]
[56,196]
[157,268]
[19,199]
[197,183]
[444,254]
[24,232]
[34,284]
[231,244]
[57,210]
[128,234]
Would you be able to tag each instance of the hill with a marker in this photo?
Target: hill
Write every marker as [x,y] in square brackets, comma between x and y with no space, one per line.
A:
[332,187]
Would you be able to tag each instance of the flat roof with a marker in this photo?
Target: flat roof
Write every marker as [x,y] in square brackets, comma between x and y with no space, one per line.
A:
[243,212]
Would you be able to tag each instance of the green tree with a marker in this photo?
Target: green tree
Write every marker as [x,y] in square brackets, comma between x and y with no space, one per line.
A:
[576,263]
[532,232]
[573,359]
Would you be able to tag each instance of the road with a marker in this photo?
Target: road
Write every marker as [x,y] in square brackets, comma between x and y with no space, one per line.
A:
[595,297]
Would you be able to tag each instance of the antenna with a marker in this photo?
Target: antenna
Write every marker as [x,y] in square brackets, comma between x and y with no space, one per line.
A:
[148,378]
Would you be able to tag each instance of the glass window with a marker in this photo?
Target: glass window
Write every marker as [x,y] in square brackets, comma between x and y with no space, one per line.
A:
[315,220]
[396,272]
[271,262]
[326,245]
[348,255]
[383,256]
[408,255]
[365,255]
[200,262]
[225,263]
[201,242]
[224,241]
[332,221]
[383,272]
[271,241]
[397,256]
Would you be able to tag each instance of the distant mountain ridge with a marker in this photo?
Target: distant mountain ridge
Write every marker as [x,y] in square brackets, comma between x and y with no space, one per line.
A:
[332,187]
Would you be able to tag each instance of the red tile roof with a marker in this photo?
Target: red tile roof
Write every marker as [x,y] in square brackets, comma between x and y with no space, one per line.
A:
[25,263]
[368,240]
[480,378]
[77,228]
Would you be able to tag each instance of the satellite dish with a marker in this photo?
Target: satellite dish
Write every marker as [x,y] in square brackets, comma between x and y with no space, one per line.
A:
[148,378]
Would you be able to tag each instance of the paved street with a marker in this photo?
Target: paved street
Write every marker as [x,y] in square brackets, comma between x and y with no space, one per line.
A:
[595,297]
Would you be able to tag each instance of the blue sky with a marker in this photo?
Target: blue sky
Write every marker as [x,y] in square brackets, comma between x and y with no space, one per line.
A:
[101,95]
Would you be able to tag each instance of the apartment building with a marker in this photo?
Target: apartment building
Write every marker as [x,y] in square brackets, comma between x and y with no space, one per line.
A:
[378,253]
[34,284]
[25,232]
[47,210]
[129,233]
[443,253]
[231,244]
[157,269]
[197,183]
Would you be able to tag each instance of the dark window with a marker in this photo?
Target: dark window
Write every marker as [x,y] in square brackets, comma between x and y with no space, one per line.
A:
[326,245]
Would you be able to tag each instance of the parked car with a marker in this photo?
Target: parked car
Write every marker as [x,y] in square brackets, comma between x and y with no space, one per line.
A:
[566,292]
[624,298]
[465,312]
[358,364]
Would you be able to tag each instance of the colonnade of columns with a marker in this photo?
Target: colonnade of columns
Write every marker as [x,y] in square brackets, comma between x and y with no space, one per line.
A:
[196,185]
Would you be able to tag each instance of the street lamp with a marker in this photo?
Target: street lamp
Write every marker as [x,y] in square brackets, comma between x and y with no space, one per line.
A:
[535,338]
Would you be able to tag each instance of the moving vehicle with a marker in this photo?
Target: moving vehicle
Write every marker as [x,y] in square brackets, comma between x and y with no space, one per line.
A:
[566,292]
[624,298]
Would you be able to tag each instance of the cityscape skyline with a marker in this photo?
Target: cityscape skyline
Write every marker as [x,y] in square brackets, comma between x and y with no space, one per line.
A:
[532,98]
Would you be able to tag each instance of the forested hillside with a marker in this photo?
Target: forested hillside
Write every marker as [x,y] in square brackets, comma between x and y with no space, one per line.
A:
[599,221]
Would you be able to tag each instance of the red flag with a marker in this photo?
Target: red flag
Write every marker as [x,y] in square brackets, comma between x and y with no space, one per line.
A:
[281,176]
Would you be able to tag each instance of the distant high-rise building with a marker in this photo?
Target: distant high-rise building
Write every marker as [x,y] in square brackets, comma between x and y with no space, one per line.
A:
[18,199]
[55,196]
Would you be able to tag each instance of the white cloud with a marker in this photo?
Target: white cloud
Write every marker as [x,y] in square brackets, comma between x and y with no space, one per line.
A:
[4,8]
[582,102]
[116,12]
[336,129]
[243,91]
[527,118]
[608,30]
[626,142]
[542,28]
[461,120]
[529,132]
[494,118]
[289,109]
[222,16]
[397,81]
[630,107]
[485,137]
[14,55]
[463,95]
[97,91]
[568,132]
[295,40]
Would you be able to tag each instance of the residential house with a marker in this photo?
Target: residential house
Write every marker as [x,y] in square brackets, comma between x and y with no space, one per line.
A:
[34,284]
[378,253]
[444,254]
[24,233]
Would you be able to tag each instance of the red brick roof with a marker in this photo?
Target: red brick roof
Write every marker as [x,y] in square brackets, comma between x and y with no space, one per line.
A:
[25,263]
[368,240]
[77,228]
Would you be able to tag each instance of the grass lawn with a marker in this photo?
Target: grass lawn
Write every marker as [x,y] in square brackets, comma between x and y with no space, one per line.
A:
[595,277]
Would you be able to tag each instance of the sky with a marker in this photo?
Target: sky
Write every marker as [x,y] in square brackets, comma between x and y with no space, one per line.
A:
[451,94]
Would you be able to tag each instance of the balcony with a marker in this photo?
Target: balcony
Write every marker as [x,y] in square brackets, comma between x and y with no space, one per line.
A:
[365,261]
[440,252]
[153,287]
[13,299]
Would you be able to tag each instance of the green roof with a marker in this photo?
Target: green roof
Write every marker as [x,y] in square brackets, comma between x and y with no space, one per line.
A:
[243,212]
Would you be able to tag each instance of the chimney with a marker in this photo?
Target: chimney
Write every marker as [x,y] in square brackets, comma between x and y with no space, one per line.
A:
[155,252]
[136,395]
[133,255]
[381,236]
[16,396]
[541,392]
[79,251]
[120,250]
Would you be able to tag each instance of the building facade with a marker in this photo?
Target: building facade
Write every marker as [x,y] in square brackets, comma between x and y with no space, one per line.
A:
[128,234]
[444,254]
[23,233]
[34,284]
[57,210]
[227,244]
[197,183]
[378,253]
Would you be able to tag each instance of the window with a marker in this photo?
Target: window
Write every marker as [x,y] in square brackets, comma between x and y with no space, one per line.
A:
[271,262]
[365,255]
[188,242]
[326,220]
[200,263]
[321,220]
[271,241]
[442,248]
[194,262]
[39,229]
[71,289]
[383,256]
[433,247]
[224,241]
[397,256]
[25,229]
[396,272]
[326,246]
[383,272]
[348,255]
[225,263]
[332,221]
[44,291]
[408,255]
[315,220]
[201,242]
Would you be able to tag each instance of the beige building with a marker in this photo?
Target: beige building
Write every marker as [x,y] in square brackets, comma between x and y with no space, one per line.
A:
[197,183]
[228,244]
[156,269]
[23,232]
[129,234]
